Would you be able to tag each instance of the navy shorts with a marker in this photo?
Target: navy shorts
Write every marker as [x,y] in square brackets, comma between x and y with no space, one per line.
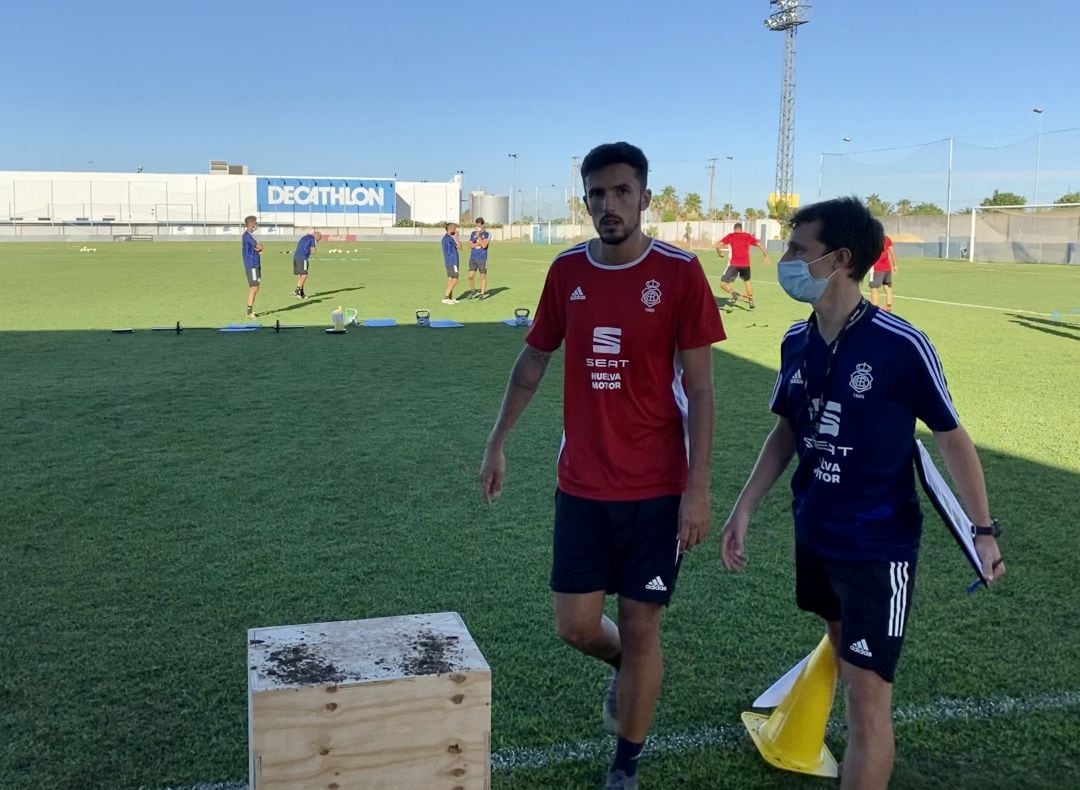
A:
[881,278]
[478,265]
[628,548]
[871,600]
[299,266]
[254,275]
[732,272]
[451,269]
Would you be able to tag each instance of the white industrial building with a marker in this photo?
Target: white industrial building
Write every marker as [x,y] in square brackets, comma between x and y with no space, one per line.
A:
[42,204]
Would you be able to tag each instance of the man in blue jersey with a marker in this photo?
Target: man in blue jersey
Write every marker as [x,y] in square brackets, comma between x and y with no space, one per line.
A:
[305,248]
[252,252]
[479,240]
[853,380]
[450,247]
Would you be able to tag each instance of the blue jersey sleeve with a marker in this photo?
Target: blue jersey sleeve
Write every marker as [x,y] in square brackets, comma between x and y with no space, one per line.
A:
[930,398]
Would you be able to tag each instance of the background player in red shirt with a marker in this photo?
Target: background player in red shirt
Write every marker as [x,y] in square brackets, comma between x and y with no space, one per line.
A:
[637,320]
[884,269]
[740,244]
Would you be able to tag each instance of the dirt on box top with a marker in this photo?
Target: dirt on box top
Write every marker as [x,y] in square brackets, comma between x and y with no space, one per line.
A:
[299,664]
[432,654]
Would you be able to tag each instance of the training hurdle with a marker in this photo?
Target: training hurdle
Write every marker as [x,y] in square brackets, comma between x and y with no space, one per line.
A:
[392,702]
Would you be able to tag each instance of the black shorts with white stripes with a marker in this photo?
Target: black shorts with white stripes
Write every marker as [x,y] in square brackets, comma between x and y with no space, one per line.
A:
[871,600]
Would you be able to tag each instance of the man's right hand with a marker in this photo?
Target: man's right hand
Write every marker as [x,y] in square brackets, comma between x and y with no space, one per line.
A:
[492,472]
[732,542]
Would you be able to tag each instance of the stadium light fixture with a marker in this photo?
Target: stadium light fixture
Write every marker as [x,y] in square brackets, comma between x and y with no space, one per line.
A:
[513,186]
[1038,139]
[786,17]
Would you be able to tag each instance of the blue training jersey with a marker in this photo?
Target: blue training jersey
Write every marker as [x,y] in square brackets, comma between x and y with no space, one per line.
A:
[853,492]
[479,253]
[304,247]
[449,250]
[252,259]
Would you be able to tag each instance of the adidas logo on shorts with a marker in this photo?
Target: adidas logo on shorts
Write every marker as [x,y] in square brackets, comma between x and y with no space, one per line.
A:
[861,648]
[656,585]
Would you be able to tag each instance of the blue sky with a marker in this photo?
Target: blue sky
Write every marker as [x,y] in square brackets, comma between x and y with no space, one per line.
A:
[423,89]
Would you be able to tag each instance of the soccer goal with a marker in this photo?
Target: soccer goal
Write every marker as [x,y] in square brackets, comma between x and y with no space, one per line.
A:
[1046,233]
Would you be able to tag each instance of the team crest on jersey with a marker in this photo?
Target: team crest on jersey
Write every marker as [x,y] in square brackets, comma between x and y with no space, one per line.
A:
[861,380]
[650,296]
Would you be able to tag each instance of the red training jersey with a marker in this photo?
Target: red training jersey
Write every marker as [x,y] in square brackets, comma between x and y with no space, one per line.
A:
[740,243]
[882,263]
[624,405]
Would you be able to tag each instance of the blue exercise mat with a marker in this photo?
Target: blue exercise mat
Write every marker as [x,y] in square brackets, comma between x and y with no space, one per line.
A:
[240,327]
[376,322]
[445,323]
[513,322]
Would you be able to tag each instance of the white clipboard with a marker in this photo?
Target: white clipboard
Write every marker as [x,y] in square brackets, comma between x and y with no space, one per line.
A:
[950,510]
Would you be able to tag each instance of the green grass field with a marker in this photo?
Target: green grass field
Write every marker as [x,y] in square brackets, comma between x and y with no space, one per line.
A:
[162,494]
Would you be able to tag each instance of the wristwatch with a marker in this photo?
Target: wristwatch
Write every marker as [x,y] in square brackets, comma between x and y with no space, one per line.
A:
[994,530]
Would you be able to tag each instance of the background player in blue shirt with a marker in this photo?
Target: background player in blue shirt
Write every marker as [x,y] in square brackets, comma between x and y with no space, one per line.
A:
[450,247]
[305,248]
[252,252]
[853,379]
[479,240]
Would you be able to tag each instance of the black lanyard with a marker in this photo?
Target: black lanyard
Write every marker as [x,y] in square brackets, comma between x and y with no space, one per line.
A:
[815,413]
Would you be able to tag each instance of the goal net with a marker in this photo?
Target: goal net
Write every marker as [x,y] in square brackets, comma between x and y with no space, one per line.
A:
[1025,234]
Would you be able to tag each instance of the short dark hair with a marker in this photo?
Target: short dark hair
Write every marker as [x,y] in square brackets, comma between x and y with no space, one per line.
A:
[250,218]
[738,226]
[479,220]
[616,154]
[846,222]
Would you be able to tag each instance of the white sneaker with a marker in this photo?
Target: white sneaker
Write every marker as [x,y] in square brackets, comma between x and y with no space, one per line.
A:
[449,301]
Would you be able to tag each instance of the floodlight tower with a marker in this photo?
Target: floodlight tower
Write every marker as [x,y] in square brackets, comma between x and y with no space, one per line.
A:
[786,17]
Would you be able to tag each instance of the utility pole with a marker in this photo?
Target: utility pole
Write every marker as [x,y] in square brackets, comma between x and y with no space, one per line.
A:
[712,181]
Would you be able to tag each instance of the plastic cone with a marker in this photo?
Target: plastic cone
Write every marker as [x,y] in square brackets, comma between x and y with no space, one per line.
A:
[793,736]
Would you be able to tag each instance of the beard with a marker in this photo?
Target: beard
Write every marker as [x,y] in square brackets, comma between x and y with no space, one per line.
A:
[616,233]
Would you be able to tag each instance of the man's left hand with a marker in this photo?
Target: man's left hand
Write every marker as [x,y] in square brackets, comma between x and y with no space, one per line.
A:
[693,518]
[993,566]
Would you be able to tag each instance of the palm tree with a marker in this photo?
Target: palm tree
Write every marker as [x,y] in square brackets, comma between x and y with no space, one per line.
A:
[903,206]
[692,206]
[669,204]
[879,207]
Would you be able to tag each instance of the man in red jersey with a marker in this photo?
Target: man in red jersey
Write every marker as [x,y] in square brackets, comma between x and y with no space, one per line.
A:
[638,321]
[740,244]
[884,269]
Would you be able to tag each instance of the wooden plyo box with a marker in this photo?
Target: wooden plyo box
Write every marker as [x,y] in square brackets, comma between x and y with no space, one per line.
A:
[392,703]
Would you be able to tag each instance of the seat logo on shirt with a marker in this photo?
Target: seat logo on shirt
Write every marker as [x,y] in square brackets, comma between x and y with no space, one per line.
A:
[861,380]
[650,296]
[828,421]
[607,340]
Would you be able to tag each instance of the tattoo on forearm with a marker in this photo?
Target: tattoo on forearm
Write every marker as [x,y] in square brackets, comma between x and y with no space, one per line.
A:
[529,370]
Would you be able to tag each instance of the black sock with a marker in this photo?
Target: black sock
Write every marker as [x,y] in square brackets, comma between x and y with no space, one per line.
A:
[626,757]
[615,662]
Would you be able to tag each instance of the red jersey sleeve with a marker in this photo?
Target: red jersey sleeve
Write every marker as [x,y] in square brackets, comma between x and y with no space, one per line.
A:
[549,326]
[699,321]
[726,239]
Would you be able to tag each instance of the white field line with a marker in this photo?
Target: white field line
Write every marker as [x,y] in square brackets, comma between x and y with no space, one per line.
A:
[727,736]
[932,301]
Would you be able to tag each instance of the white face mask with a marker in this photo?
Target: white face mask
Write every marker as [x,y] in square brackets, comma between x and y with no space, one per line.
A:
[798,283]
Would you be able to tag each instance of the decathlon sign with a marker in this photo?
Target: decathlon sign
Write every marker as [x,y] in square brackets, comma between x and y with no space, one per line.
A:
[325,195]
